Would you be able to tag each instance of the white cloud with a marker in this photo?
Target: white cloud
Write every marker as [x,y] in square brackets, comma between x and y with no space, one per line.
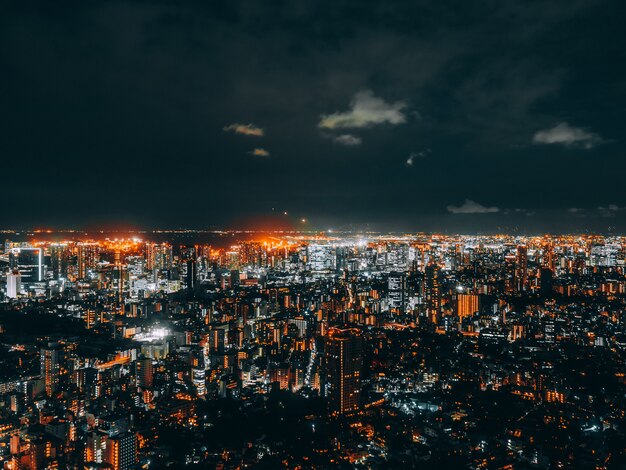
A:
[259,152]
[611,207]
[416,155]
[611,210]
[574,210]
[564,134]
[472,207]
[245,129]
[365,110]
[348,139]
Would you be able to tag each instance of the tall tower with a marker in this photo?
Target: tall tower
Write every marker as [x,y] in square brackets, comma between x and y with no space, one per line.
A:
[510,271]
[144,372]
[344,361]
[432,292]
[87,257]
[50,367]
[522,267]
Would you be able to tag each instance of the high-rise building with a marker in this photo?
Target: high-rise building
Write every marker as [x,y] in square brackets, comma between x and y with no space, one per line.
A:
[28,262]
[14,284]
[87,256]
[522,268]
[144,372]
[121,451]
[158,256]
[59,260]
[510,274]
[50,357]
[467,304]
[344,361]
[397,290]
[432,292]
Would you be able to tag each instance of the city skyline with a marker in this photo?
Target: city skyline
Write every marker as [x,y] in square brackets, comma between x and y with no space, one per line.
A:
[394,116]
[312,234]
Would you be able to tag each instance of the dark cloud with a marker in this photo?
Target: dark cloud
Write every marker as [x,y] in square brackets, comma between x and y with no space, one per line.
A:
[107,107]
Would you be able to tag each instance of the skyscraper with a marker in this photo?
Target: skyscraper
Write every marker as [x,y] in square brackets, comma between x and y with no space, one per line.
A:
[396,286]
[28,262]
[158,256]
[522,268]
[467,304]
[432,293]
[50,367]
[344,361]
[144,372]
[88,255]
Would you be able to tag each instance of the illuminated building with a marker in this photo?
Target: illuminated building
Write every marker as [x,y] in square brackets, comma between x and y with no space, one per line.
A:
[121,451]
[522,268]
[158,256]
[198,377]
[467,304]
[28,262]
[432,293]
[87,255]
[50,367]
[510,274]
[396,285]
[59,260]
[320,257]
[217,339]
[144,372]
[344,361]
[14,284]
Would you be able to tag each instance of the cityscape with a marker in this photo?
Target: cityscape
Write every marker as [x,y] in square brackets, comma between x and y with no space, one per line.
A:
[312,350]
[312,234]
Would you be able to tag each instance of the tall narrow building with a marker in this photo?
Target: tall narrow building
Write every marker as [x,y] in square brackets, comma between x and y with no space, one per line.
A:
[50,367]
[432,293]
[144,372]
[344,361]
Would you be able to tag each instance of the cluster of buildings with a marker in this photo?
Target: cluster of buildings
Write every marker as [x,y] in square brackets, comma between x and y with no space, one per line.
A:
[313,350]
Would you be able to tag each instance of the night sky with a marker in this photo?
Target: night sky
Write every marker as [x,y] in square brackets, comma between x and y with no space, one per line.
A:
[469,116]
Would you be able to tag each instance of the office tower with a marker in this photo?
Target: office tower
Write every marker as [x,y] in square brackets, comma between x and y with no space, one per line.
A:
[28,262]
[344,360]
[191,274]
[50,357]
[87,257]
[466,305]
[59,260]
[396,286]
[321,257]
[158,256]
[144,372]
[14,284]
[432,292]
[522,268]
[121,451]
[510,270]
